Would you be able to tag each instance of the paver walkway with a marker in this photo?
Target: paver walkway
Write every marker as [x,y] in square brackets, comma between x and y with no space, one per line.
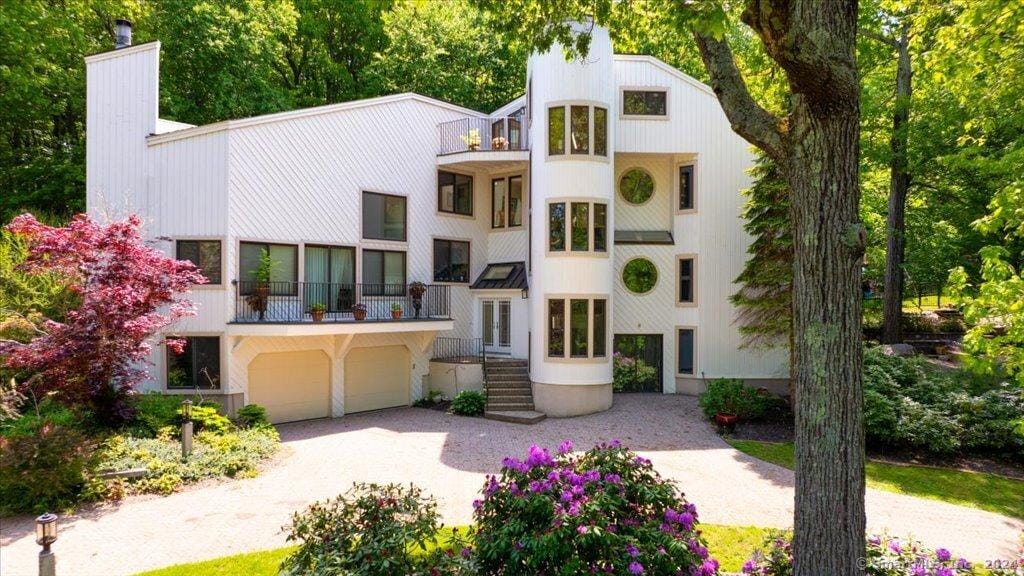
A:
[448,456]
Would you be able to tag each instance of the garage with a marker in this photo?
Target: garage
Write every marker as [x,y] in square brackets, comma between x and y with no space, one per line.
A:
[291,385]
[376,378]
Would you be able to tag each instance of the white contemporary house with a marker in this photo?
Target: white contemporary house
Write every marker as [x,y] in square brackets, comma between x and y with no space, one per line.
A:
[363,253]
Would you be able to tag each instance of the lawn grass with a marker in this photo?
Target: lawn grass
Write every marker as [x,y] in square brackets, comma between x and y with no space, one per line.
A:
[974,489]
[930,302]
[731,545]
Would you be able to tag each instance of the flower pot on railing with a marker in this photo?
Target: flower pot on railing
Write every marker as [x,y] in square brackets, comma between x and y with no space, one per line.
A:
[416,292]
[359,312]
[396,311]
[472,140]
[499,143]
[317,311]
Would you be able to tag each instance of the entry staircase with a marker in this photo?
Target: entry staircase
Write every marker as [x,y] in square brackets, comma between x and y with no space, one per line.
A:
[509,392]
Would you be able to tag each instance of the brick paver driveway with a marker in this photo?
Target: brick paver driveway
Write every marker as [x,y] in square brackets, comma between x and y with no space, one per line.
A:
[448,456]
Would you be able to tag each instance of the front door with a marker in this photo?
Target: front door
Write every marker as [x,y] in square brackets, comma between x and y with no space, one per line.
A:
[638,362]
[496,319]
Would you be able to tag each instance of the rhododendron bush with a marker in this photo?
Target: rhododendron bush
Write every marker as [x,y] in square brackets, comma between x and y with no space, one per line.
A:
[605,511]
[129,292]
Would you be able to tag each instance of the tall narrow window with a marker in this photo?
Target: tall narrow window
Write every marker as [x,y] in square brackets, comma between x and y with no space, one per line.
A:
[600,337]
[498,203]
[556,328]
[600,131]
[686,280]
[383,272]
[383,216]
[198,365]
[451,261]
[205,254]
[685,352]
[686,187]
[600,227]
[580,226]
[556,130]
[556,226]
[580,129]
[454,193]
[578,328]
[515,201]
[330,277]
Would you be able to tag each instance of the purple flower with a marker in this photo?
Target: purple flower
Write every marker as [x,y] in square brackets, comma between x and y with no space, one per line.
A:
[518,545]
[641,461]
[875,540]
[894,545]
[636,567]
[466,551]
[613,478]
[538,457]
[918,570]
[574,509]
[749,566]
[943,571]
[581,529]
[566,496]
[671,515]
[616,443]
[632,551]
[686,519]
[943,555]
[565,447]
[477,504]
[708,568]
[962,564]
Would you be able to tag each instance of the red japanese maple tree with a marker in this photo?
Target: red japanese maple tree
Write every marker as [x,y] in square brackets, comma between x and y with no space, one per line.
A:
[129,292]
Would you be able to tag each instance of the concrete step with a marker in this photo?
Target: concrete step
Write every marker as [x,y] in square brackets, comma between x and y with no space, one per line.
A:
[515,416]
[510,399]
[508,372]
[492,363]
[509,389]
[504,406]
[505,377]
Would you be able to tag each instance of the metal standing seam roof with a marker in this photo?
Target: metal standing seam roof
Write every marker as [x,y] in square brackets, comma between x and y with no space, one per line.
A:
[495,278]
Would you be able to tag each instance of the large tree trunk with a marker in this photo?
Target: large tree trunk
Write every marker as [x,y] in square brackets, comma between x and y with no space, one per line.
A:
[899,184]
[817,147]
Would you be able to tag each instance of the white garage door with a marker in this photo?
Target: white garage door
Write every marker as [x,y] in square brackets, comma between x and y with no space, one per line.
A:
[291,385]
[376,378]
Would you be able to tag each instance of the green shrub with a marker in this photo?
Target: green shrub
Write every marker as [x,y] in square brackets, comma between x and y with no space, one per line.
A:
[992,422]
[371,529]
[731,396]
[629,374]
[928,429]
[33,418]
[155,411]
[469,403]
[252,416]
[569,513]
[206,418]
[43,465]
[880,418]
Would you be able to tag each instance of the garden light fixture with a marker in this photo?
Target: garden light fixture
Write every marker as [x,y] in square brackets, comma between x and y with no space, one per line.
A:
[46,534]
[186,428]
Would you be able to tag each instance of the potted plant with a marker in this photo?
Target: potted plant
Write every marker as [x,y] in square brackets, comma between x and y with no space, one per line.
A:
[416,292]
[317,311]
[499,143]
[257,299]
[472,140]
[396,311]
[359,312]
[726,419]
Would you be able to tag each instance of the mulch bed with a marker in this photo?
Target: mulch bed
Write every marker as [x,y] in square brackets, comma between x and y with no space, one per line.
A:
[777,426]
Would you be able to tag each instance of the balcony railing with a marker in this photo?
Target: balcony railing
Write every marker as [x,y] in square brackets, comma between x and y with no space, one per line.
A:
[293,302]
[504,133]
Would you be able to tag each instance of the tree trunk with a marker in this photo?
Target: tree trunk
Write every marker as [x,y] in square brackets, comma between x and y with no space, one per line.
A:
[899,183]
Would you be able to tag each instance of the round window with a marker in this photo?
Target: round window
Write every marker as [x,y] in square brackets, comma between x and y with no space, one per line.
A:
[636,186]
[640,275]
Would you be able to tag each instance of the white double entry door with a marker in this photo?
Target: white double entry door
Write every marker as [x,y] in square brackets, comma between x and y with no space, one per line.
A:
[496,322]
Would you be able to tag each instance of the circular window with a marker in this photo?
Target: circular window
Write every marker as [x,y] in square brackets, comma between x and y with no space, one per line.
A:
[640,275]
[636,186]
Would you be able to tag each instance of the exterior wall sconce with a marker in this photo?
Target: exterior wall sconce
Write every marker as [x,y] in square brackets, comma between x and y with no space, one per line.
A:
[46,534]
[186,428]
[525,293]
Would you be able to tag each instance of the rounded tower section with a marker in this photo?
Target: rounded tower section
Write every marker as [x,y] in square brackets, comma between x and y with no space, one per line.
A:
[572,218]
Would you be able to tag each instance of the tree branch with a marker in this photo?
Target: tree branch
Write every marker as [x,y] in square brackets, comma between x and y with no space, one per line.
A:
[879,37]
[751,121]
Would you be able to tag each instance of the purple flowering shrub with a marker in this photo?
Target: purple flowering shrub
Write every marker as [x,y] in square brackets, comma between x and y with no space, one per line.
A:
[605,511]
[885,556]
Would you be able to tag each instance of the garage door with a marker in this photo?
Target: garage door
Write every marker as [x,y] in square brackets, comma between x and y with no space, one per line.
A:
[291,385]
[376,378]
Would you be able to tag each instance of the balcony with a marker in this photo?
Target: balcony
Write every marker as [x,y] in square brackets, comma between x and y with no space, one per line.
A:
[288,308]
[483,142]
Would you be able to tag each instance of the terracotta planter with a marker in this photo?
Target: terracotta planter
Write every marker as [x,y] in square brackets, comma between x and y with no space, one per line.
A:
[396,314]
[726,420]
[359,315]
[318,316]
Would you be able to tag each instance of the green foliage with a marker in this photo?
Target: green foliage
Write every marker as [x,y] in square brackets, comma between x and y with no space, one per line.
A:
[206,418]
[155,411]
[252,416]
[640,275]
[630,374]
[25,294]
[373,529]
[44,458]
[764,300]
[729,395]
[469,403]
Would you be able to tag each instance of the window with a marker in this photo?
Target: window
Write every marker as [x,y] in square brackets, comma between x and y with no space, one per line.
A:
[600,227]
[686,281]
[640,275]
[284,268]
[556,225]
[600,337]
[454,193]
[556,130]
[198,366]
[451,261]
[383,216]
[600,131]
[644,103]
[330,273]
[556,328]
[580,227]
[498,203]
[586,324]
[686,187]
[383,272]
[685,356]
[205,254]
[515,201]
[636,186]
[584,132]
[580,129]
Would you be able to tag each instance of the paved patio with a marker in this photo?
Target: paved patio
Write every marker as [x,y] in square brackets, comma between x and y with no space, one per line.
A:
[448,456]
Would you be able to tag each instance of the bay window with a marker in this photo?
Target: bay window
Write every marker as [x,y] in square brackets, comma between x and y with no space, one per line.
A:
[584,321]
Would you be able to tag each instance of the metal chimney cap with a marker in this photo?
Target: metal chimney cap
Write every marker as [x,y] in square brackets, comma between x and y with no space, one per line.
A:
[122,33]
[123,22]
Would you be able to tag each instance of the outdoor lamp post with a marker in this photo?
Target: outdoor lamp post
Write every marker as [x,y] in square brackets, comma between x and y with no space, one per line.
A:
[46,534]
[186,428]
